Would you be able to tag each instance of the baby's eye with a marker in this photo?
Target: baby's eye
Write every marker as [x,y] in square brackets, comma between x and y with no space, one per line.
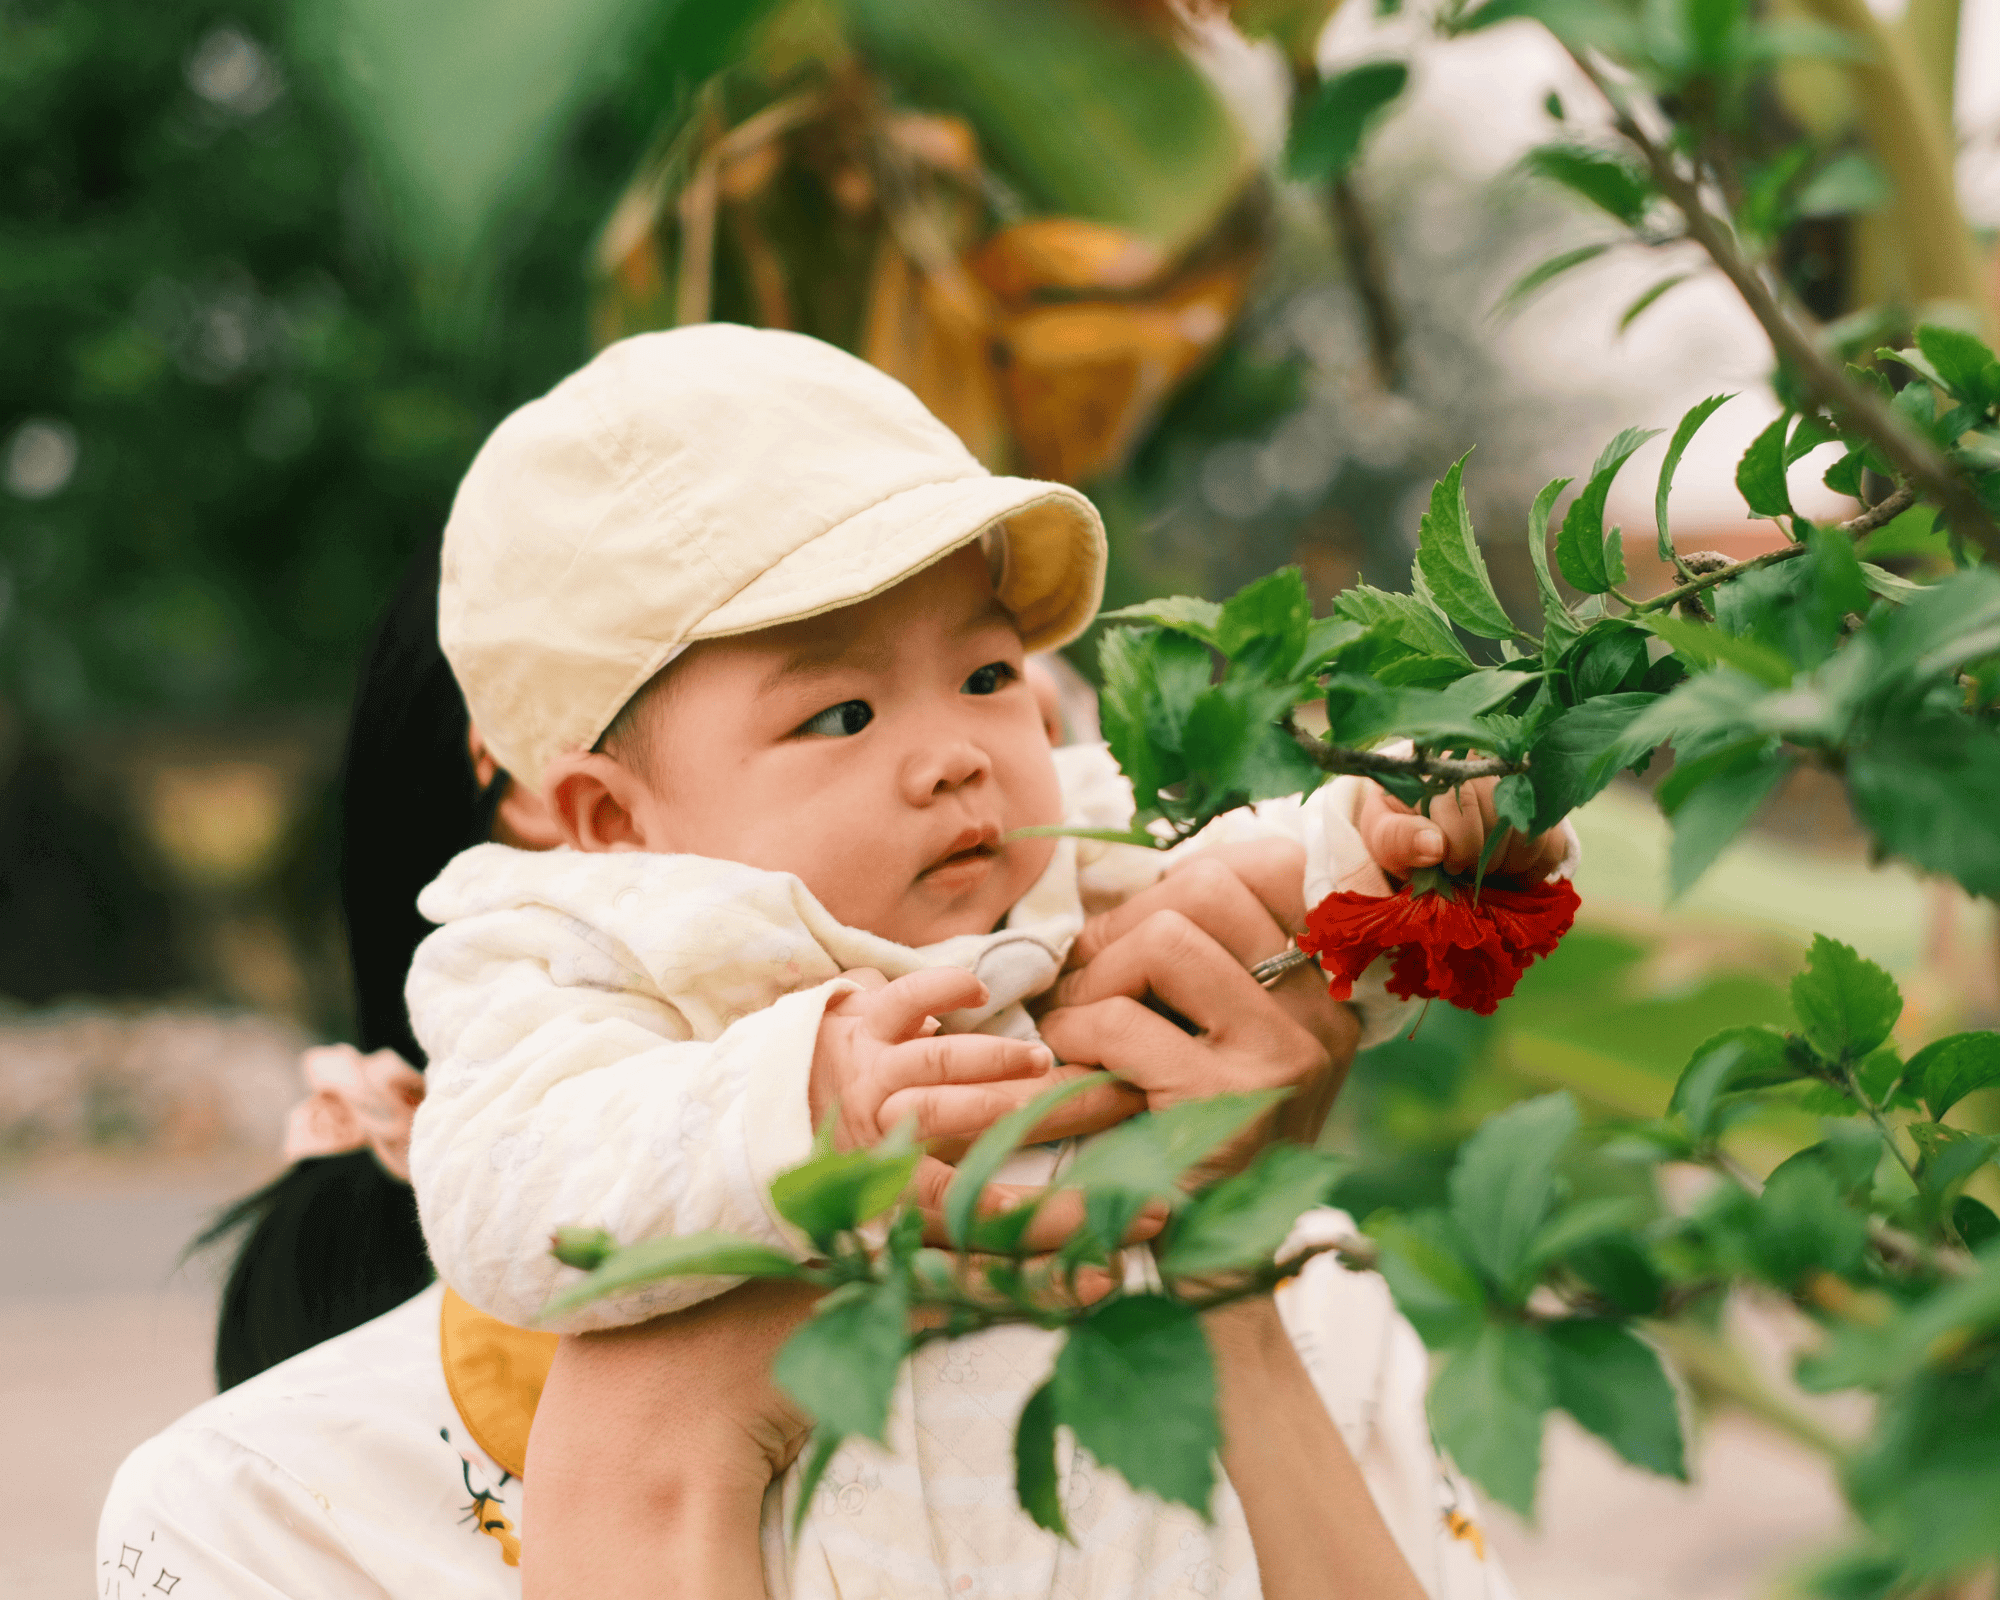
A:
[990,679]
[837,722]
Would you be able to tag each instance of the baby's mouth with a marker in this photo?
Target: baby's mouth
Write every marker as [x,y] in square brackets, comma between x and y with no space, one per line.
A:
[971,846]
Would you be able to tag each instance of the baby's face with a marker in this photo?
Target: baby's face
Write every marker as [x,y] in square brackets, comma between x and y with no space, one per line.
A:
[881,752]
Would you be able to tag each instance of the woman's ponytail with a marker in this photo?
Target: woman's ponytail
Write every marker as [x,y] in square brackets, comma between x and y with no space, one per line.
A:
[333,1240]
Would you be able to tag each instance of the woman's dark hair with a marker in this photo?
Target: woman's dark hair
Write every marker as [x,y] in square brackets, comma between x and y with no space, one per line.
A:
[334,1241]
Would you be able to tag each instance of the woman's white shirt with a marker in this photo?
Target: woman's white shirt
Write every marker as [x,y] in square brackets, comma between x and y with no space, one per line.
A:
[349,1472]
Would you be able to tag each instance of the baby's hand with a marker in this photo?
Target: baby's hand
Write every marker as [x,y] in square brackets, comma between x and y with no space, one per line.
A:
[880,1060]
[1452,836]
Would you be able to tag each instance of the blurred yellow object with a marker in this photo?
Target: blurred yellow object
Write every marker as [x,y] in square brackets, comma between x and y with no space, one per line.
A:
[218,825]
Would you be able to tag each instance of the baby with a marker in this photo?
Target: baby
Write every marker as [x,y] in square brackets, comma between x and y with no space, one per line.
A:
[754,623]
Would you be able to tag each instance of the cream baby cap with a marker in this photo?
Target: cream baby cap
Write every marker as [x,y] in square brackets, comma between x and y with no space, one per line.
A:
[712,480]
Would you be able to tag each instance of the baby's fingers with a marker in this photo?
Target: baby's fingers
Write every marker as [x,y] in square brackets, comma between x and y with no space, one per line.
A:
[901,1010]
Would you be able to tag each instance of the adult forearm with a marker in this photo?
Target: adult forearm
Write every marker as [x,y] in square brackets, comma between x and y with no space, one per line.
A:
[1313,1523]
[681,1540]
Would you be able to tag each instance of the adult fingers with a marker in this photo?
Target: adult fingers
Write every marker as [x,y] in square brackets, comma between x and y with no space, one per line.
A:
[1274,870]
[900,1010]
[1172,957]
[1059,1215]
[1206,892]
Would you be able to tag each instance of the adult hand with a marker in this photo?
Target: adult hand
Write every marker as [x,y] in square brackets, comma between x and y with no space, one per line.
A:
[1188,943]
[652,1448]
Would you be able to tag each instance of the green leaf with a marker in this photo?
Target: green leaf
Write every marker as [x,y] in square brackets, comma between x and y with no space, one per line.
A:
[690,1255]
[1423,1262]
[1706,645]
[1964,364]
[1147,1155]
[1909,786]
[1950,624]
[1565,763]
[1950,1157]
[1327,131]
[1731,1062]
[1504,1184]
[1844,476]
[1134,1382]
[825,1443]
[1559,627]
[842,1363]
[1710,709]
[1274,611]
[1614,1385]
[1946,1070]
[1718,796]
[1803,1226]
[1677,448]
[1846,1003]
[1917,362]
[1760,475]
[1487,1406]
[1448,554]
[1584,1223]
[1606,181]
[1241,1221]
[1182,612]
[1888,585]
[1590,561]
[1402,617]
[1848,183]
[832,1194]
[1327,639]
[987,1155]
[1523,288]
[1036,1481]
[1639,307]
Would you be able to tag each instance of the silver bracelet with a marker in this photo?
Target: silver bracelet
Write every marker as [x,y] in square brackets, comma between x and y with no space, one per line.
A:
[1272,969]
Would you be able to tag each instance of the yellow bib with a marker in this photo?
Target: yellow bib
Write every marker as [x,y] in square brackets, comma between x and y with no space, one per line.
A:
[495,1373]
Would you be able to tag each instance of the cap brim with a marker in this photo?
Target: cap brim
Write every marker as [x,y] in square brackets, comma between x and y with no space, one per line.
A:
[1052,581]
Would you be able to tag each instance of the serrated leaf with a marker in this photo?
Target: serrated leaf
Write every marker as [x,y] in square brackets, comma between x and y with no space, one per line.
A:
[1844,1002]
[1565,763]
[1614,1385]
[1803,1225]
[1676,448]
[1706,645]
[1135,1384]
[1720,794]
[1422,1260]
[842,1363]
[1180,611]
[706,1254]
[1583,1223]
[1909,785]
[1644,303]
[1037,1484]
[1963,363]
[1403,617]
[1946,1070]
[1543,273]
[832,1194]
[1327,131]
[1241,1221]
[1844,476]
[1730,1062]
[1917,362]
[1147,1155]
[1606,181]
[1588,559]
[1504,1183]
[990,1152]
[1760,475]
[1448,554]
[1558,626]
[1487,1407]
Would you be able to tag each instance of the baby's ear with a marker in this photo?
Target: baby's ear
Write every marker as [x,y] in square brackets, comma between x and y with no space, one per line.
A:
[597,803]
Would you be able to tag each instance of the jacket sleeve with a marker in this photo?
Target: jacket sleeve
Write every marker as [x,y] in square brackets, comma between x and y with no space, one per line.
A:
[570,1092]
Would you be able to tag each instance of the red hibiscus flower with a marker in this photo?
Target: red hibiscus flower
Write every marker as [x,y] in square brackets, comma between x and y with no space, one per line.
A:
[1450,942]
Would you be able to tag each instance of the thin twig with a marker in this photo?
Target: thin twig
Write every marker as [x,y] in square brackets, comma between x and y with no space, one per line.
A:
[1913,457]
[1449,770]
[1878,515]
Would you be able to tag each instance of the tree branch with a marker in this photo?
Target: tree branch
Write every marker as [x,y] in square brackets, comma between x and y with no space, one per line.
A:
[1373,763]
[1914,457]
[1882,513]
